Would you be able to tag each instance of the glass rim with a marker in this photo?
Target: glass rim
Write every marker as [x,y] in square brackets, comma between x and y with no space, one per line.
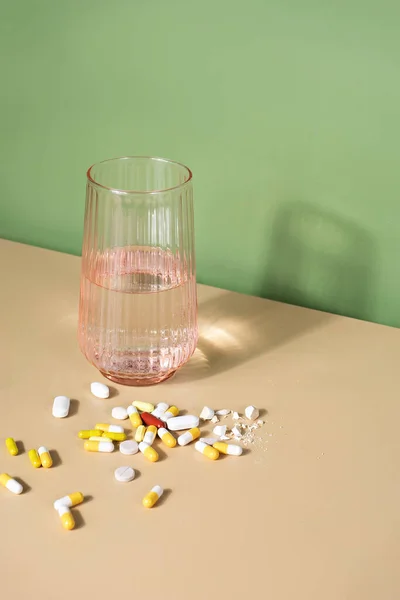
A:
[113,190]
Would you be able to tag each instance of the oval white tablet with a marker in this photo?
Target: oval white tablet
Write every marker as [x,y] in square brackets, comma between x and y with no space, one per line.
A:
[128,447]
[119,412]
[61,406]
[124,474]
[100,390]
[183,422]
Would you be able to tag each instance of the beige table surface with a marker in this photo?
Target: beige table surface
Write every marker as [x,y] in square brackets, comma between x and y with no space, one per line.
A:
[311,511]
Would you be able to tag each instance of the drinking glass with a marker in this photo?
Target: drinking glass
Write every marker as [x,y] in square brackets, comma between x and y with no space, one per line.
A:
[138,301]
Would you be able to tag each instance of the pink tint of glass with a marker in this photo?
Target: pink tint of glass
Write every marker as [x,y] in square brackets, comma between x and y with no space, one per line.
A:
[138,302]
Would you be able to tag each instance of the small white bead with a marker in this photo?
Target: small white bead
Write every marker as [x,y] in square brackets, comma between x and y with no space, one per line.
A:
[100,390]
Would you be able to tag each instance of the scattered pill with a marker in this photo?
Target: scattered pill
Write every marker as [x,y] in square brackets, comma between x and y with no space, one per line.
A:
[12,446]
[215,419]
[45,457]
[85,434]
[160,409]
[207,413]
[144,406]
[238,430]
[150,419]
[223,412]
[210,441]
[189,436]
[128,447]
[251,413]
[96,438]
[228,448]
[98,446]
[124,474]
[67,520]
[100,390]
[70,500]
[134,416]
[139,434]
[167,437]
[173,411]
[61,406]
[235,416]
[153,496]
[149,452]
[207,450]
[110,428]
[185,422]
[150,435]
[120,413]
[220,430]
[115,437]
[11,484]
[34,458]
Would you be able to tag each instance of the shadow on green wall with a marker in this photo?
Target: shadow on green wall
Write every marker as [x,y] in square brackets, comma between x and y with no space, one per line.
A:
[320,260]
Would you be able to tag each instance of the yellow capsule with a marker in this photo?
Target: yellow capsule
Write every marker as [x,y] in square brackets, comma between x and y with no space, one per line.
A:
[106,446]
[11,484]
[173,411]
[231,449]
[209,451]
[153,496]
[85,434]
[34,458]
[167,437]
[12,446]
[116,437]
[139,434]
[134,416]
[149,452]
[109,428]
[45,457]
[67,520]
[70,500]
[189,436]
[150,435]
[143,406]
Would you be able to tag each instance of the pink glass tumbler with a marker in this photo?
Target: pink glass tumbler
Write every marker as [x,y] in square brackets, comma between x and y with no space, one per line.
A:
[138,302]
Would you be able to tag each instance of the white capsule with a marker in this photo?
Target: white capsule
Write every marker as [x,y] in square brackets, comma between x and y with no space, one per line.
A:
[124,474]
[100,390]
[160,409]
[220,430]
[222,412]
[207,413]
[150,435]
[120,413]
[128,447]
[61,406]
[184,422]
[251,413]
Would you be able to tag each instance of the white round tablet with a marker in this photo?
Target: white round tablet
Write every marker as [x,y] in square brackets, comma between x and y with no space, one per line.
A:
[119,412]
[128,447]
[100,390]
[124,474]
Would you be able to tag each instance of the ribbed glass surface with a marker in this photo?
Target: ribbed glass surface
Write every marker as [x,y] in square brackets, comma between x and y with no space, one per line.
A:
[138,304]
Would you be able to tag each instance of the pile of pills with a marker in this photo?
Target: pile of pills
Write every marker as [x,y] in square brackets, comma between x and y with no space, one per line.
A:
[148,422]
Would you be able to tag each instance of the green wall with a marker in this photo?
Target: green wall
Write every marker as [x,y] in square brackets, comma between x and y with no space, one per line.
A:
[288,112]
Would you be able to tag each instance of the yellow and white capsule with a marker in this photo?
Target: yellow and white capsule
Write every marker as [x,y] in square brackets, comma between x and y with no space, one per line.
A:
[67,520]
[167,437]
[143,406]
[209,451]
[160,409]
[12,446]
[231,449]
[96,438]
[45,457]
[70,500]
[11,484]
[150,435]
[189,436]
[34,458]
[109,428]
[85,434]
[153,496]
[139,433]
[173,411]
[116,437]
[106,446]
[149,452]
[134,416]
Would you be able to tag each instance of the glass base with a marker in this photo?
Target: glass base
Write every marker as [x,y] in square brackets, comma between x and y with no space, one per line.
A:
[139,381]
